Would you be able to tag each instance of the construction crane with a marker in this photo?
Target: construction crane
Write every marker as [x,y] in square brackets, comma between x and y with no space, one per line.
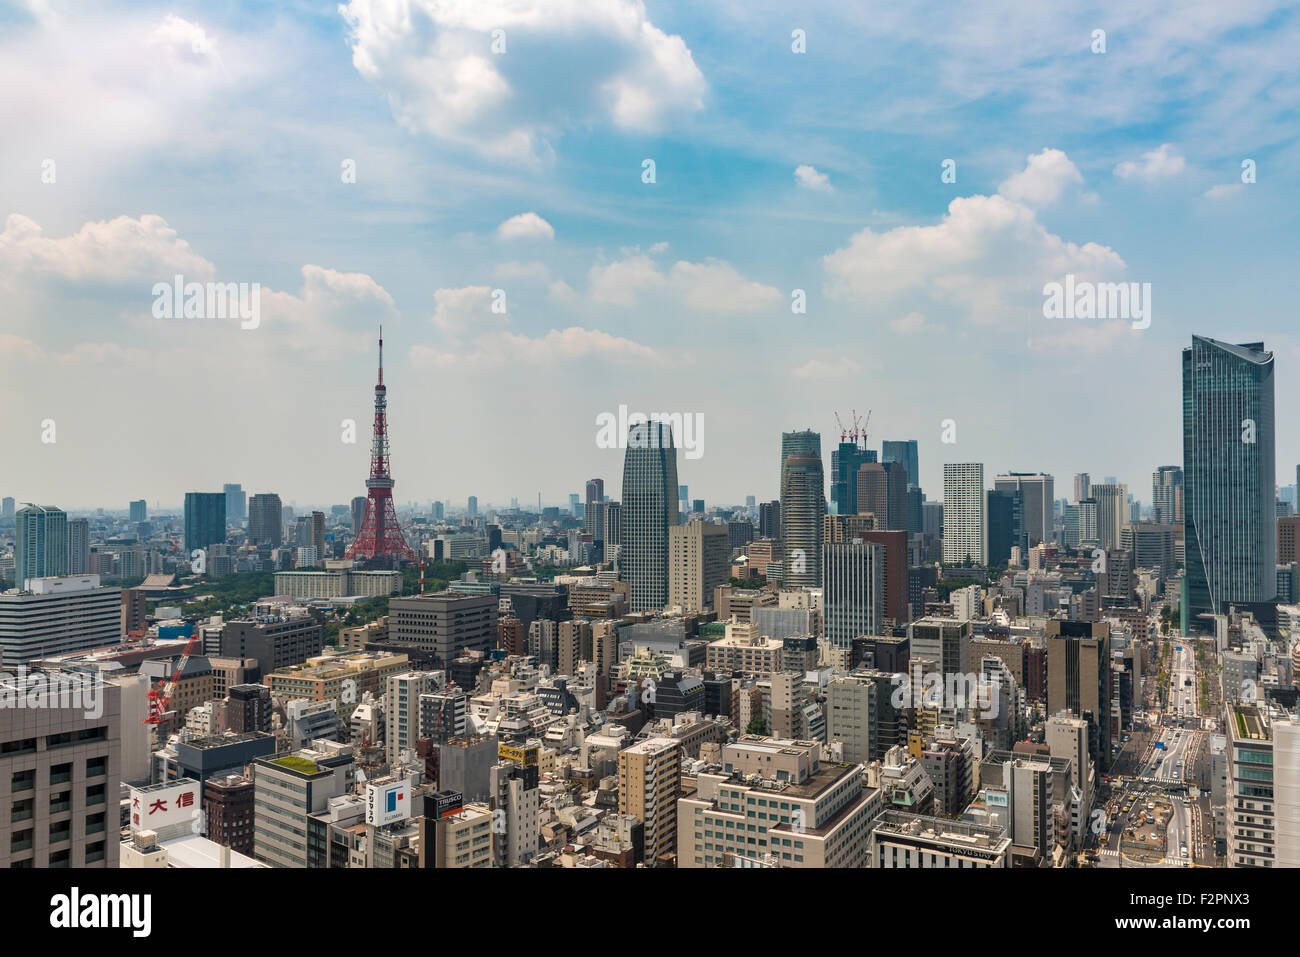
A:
[160,698]
[844,433]
[863,430]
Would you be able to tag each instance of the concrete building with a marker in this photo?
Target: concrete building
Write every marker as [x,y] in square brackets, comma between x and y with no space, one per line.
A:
[965,533]
[60,770]
[287,790]
[899,839]
[58,616]
[854,595]
[276,641]
[851,717]
[698,562]
[445,624]
[773,803]
[649,779]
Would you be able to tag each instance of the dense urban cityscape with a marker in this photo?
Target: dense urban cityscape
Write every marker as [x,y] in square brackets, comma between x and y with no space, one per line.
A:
[630,435]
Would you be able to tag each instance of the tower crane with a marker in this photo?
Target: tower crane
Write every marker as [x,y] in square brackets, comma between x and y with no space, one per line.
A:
[160,699]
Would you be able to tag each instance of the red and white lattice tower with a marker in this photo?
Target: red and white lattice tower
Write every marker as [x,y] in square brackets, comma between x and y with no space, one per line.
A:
[380,536]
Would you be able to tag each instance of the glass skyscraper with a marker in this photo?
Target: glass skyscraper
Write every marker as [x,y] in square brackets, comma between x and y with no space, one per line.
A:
[205,519]
[803,506]
[1229,475]
[649,507]
[903,450]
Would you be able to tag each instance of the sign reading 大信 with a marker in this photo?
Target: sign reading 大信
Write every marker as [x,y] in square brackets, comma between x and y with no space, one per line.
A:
[386,803]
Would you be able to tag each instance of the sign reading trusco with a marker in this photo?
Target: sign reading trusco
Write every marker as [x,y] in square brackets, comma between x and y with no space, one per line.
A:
[386,803]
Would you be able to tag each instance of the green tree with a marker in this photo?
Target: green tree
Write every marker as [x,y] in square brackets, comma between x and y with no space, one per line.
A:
[756,726]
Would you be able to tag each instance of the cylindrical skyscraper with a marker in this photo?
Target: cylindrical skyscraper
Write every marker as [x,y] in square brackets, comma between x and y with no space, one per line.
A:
[649,506]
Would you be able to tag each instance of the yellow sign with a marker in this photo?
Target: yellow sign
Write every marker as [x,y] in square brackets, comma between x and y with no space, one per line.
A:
[526,756]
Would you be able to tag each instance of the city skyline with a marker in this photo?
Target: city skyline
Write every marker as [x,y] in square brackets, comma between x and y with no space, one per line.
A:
[398,203]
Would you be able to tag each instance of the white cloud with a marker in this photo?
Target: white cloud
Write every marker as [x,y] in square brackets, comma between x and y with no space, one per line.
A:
[910,324]
[1153,165]
[809,178]
[1224,190]
[118,250]
[1077,337]
[564,65]
[184,40]
[525,226]
[458,311]
[834,369]
[709,286]
[1045,177]
[557,345]
[988,256]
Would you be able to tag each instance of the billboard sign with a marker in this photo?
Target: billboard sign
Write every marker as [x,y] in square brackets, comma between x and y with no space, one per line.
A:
[156,808]
[386,803]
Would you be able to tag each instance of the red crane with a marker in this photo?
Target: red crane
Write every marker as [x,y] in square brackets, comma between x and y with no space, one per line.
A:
[160,697]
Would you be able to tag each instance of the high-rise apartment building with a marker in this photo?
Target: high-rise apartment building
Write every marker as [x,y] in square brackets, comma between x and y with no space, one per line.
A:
[1082,486]
[965,534]
[803,505]
[1167,501]
[649,779]
[649,509]
[1229,476]
[78,546]
[40,543]
[699,560]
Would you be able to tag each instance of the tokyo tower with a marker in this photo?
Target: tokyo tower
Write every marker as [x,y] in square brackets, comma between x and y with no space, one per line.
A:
[380,536]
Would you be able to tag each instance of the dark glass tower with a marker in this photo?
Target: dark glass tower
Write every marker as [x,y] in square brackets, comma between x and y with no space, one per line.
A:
[803,506]
[649,507]
[1228,478]
[205,519]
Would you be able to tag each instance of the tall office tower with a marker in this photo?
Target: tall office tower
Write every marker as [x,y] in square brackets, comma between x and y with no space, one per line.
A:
[358,512]
[471,506]
[1287,552]
[380,540]
[803,505]
[1167,495]
[7,508]
[1081,526]
[1005,523]
[595,490]
[574,499]
[1152,546]
[1079,679]
[769,520]
[915,510]
[445,624]
[882,491]
[1037,496]
[1229,474]
[236,503]
[932,518]
[964,529]
[60,770]
[317,525]
[439,511]
[40,543]
[854,597]
[266,519]
[205,519]
[78,546]
[904,451]
[1082,485]
[139,511]
[613,523]
[649,509]
[846,459]
[699,560]
[750,501]
[593,520]
[1112,513]
[649,780]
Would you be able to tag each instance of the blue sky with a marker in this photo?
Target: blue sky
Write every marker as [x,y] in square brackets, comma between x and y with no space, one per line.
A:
[208,139]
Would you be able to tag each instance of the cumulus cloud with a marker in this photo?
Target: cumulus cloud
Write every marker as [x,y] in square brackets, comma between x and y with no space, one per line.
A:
[809,178]
[465,309]
[183,40]
[1045,177]
[709,286]
[1156,164]
[525,226]
[557,345]
[113,251]
[910,324]
[504,77]
[1084,337]
[988,256]
[1224,190]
